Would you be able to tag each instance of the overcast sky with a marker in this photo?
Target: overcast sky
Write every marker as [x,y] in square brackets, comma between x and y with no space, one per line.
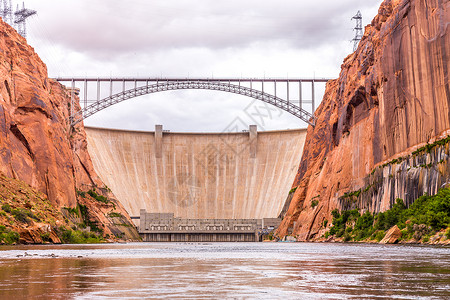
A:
[197,38]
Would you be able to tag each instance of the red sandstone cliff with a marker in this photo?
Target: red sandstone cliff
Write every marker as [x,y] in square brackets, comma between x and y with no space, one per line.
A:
[391,97]
[37,145]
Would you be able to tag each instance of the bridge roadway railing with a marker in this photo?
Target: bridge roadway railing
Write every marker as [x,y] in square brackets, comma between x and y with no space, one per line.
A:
[286,94]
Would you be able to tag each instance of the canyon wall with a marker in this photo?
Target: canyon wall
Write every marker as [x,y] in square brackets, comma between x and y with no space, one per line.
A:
[391,99]
[198,175]
[37,145]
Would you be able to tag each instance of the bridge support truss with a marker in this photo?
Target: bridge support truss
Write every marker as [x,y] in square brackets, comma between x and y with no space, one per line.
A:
[96,94]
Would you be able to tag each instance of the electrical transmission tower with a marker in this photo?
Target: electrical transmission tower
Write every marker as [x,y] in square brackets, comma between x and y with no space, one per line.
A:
[20,19]
[358,30]
[7,12]
[20,16]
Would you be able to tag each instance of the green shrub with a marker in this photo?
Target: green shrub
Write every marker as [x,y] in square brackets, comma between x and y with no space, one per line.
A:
[389,218]
[447,233]
[69,236]
[23,215]
[6,207]
[115,215]
[124,225]
[363,234]
[365,221]
[335,213]
[406,235]
[83,211]
[347,237]
[12,237]
[73,211]
[364,226]
[340,221]
[8,236]
[81,194]
[20,215]
[341,232]
[314,203]
[379,235]
[367,188]
[97,197]
[351,194]
[45,236]
[429,147]
[433,211]
[92,193]
[87,221]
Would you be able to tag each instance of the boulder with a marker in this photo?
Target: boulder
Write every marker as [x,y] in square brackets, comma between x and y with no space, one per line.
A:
[392,236]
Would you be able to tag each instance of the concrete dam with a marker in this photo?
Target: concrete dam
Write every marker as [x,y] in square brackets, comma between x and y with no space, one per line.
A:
[245,175]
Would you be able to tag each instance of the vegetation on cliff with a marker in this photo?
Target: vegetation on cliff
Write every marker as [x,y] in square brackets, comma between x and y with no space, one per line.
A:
[426,149]
[427,216]
[69,236]
[27,216]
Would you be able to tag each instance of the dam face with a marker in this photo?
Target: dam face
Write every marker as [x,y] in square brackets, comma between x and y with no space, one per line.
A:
[244,175]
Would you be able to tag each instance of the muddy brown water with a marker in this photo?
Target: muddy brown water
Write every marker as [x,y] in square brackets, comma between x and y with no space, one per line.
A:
[224,271]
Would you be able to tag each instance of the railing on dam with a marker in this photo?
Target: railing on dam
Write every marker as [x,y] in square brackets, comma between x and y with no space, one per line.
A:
[164,227]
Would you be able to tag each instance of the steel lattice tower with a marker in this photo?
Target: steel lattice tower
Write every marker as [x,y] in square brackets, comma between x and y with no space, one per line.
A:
[18,22]
[20,19]
[358,30]
[6,12]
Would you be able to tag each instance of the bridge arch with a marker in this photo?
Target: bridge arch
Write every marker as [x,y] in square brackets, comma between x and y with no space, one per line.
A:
[160,85]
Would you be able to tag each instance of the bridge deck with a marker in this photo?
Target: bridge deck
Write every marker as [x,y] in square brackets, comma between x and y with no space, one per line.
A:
[285,93]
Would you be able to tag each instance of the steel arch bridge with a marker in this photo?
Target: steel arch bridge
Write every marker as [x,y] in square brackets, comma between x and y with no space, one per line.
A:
[254,88]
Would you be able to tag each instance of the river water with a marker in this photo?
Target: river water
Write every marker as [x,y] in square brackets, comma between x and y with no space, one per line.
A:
[224,271]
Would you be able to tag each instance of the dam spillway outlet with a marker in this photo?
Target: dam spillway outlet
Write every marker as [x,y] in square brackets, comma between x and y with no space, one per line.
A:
[230,175]
[164,227]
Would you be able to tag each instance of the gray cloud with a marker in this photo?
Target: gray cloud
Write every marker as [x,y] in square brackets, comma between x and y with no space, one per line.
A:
[114,27]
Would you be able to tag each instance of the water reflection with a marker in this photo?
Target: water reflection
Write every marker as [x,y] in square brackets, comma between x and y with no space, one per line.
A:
[224,270]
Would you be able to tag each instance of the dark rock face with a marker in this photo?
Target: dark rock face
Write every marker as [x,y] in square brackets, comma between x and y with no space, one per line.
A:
[37,144]
[391,97]
[408,177]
